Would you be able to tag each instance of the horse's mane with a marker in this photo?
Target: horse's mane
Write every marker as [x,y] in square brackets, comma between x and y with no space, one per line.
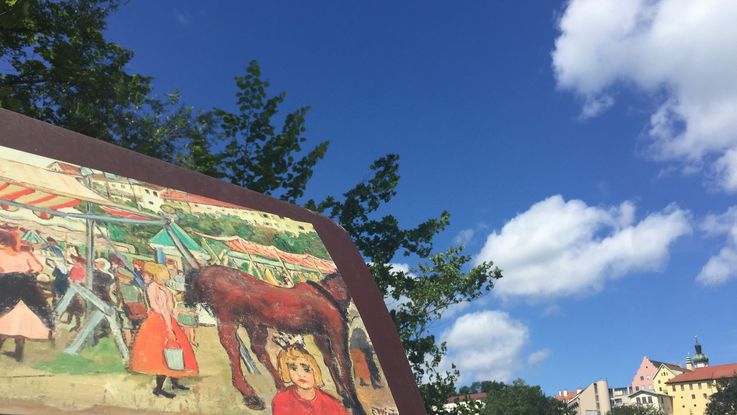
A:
[335,290]
[190,298]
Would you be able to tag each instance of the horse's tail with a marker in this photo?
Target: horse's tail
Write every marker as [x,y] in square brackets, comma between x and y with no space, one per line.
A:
[190,292]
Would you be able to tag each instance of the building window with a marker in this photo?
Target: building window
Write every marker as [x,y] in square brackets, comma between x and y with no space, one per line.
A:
[649,399]
[682,388]
[690,386]
[693,396]
[674,387]
[704,396]
[642,377]
[699,385]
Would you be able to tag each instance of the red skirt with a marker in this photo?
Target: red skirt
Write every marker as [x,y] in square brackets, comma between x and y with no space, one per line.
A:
[147,353]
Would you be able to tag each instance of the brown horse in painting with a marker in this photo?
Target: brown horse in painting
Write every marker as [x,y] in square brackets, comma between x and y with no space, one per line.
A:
[317,309]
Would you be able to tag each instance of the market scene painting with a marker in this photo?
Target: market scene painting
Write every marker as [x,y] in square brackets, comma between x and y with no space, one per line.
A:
[121,294]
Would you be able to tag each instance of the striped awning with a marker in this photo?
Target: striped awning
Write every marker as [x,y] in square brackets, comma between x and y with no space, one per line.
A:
[239,244]
[36,187]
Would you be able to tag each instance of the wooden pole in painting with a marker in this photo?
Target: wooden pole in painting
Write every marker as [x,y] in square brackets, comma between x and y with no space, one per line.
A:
[90,267]
[188,257]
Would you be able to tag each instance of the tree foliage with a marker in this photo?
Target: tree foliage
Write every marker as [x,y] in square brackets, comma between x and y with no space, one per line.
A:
[724,400]
[522,399]
[636,410]
[486,386]
[57,66]
[62,70]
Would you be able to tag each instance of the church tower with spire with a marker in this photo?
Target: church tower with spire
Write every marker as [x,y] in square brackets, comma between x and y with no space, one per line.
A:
[699,359]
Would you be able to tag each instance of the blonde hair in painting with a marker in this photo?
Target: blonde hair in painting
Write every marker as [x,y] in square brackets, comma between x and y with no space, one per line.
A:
[290,355]
[159,272]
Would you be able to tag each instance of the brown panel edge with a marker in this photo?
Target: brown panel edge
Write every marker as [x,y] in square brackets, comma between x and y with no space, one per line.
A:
[30,135]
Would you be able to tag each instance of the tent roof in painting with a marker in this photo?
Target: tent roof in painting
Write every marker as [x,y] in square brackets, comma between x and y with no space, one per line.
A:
[32,237]
[163,239]
[42,188]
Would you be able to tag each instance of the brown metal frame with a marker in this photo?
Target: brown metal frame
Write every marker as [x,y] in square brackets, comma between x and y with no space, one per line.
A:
[33,136]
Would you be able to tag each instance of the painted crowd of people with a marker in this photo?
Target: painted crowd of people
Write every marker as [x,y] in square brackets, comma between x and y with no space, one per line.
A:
[145,306]
[153,320]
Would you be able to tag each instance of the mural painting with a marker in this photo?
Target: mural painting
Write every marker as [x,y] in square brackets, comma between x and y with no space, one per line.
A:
[125,295]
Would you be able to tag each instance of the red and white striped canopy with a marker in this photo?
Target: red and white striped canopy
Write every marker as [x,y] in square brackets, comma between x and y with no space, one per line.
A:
[41,188]
[239,244]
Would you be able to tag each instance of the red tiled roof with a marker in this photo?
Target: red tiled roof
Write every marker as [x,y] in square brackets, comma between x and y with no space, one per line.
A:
[671,366]
[707,373]
[190,198]
[66,168]
[657,364]
[565,398]
[472,397]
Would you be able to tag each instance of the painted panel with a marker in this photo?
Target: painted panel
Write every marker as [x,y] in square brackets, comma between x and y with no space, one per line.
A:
[122,295]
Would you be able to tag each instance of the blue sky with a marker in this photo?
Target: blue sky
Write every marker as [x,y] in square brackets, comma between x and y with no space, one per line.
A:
[589,148]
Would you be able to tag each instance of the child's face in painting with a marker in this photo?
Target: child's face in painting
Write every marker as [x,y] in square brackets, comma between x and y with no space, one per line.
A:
[301,373]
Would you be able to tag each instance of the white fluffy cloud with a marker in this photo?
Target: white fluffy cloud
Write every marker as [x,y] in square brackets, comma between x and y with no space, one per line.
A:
[464,237]
[559,248]
[486,345]
[680,51]
[395,304]
[722,267]
[538,357]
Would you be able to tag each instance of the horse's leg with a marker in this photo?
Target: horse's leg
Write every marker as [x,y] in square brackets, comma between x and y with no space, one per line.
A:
[334,349]
[259,335]
[227,333]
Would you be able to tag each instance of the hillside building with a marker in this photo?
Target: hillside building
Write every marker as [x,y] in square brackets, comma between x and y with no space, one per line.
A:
[592,400]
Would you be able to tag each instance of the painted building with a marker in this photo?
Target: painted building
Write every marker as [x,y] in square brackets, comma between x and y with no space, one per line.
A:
[643,379]
[198,205]
[66,168]
[666,372]
[143,195]
[692,389]
[620,396]
[656,400]
[592,400]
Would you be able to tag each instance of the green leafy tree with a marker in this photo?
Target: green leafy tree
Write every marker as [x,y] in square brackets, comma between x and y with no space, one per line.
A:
[486,386]
[724,400]
[636,410]
[522,399]
[62,70]
[257,154]
[57,66]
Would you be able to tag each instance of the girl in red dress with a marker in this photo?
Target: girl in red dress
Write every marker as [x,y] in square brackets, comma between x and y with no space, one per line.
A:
[304,396]
[159,331]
